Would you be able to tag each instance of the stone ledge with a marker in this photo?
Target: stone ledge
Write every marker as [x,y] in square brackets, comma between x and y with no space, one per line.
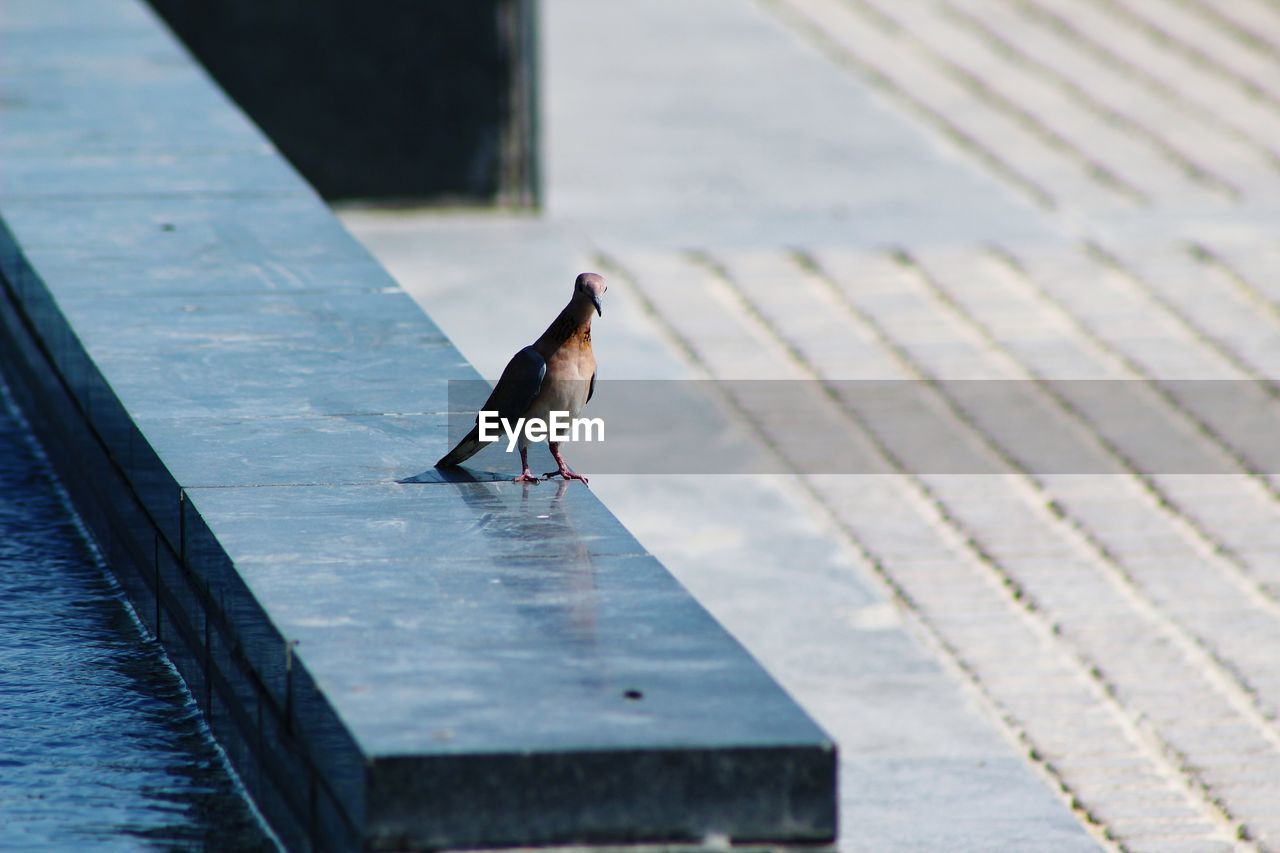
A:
[230,389]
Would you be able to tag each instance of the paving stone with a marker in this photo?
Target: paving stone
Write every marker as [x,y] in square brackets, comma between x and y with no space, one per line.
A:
[1090,138]
[1198,145]
[1189,839]
[1169,68]
[683,135]
[1187,30]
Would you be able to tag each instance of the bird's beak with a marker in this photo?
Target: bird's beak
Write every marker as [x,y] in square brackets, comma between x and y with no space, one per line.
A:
[595,300]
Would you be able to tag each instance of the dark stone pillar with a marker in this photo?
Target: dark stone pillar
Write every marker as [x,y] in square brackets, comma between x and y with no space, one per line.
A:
[417,100]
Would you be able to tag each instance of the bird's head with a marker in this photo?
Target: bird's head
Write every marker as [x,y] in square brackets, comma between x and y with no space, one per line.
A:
[592,287]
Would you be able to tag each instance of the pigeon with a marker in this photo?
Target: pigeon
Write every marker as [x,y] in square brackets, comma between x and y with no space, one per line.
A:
[557,373]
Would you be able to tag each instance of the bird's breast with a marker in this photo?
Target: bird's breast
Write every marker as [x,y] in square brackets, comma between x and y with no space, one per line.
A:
[565,388]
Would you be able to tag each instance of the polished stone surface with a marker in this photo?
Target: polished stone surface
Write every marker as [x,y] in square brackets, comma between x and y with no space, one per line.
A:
[538,620]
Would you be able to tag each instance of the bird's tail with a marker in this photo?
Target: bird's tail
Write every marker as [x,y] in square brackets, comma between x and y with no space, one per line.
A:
[468,447]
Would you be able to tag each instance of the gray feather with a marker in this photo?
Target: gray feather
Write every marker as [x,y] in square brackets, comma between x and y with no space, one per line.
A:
[520,382]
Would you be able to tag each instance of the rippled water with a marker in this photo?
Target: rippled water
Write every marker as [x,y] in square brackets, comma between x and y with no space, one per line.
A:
[100,744]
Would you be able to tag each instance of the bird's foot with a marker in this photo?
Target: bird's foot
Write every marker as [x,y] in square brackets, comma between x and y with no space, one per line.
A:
[526,476]
[567,474]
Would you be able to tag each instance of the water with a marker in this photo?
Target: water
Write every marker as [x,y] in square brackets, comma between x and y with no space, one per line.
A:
[101,746]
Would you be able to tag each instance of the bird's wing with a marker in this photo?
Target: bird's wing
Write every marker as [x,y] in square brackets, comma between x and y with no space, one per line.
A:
[591,389]
[510,398]
[519,384]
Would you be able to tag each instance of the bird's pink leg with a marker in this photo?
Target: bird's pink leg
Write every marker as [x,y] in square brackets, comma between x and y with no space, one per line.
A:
[564,466]
[526,476]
